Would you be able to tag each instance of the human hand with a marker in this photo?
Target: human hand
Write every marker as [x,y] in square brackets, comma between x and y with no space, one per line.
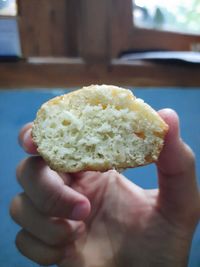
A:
[102,219]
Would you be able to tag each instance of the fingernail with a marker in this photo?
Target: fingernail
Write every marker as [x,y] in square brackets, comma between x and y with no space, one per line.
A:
[80,211]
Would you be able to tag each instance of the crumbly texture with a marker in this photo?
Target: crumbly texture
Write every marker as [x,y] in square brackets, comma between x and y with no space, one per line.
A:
[99,127]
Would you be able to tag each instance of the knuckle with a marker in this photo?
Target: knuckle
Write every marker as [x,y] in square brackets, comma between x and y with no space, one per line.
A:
[56,239]
[23,167]
[20,169]
[15,208]
[26,167]
[20,240]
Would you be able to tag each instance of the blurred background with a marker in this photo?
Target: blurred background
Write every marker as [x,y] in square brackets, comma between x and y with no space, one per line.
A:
[178,16]
[51,47]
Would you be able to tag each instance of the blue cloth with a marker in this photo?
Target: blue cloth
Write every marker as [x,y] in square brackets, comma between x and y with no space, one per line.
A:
[19,107]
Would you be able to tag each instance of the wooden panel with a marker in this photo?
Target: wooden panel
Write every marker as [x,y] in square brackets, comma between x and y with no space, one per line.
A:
[121,26]
[46,27]
[66,73]
[94,35]
[72,27]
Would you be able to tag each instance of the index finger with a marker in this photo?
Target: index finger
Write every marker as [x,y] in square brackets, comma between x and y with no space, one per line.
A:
[25,139]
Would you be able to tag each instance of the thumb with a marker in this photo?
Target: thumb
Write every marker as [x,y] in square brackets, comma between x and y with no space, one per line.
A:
[179,193]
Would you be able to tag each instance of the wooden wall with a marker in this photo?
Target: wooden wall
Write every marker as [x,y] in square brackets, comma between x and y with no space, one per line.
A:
[77,42]
[48,28]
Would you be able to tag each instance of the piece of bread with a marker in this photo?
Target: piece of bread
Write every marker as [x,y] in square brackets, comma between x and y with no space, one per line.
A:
[99,127]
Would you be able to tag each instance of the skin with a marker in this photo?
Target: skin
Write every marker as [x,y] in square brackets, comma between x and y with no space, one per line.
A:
[93,219]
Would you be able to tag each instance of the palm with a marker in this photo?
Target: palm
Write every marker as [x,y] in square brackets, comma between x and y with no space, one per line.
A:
[124,223]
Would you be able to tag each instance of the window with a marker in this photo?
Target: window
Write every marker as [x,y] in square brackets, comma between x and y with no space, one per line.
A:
[8,8]
[137,38]
[180,15]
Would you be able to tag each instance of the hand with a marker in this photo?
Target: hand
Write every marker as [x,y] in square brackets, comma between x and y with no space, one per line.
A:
[102,219]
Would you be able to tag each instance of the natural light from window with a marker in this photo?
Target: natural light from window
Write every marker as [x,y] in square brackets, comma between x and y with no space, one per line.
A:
[8,8]
[179,15]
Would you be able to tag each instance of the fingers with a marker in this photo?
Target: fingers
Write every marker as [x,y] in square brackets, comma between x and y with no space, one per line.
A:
[37,251]
[49,194]
[176,169]
[45,255]
[25,139]
[51,231]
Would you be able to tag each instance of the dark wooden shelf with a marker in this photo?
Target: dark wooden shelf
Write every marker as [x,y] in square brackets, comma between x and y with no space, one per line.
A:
[68,72]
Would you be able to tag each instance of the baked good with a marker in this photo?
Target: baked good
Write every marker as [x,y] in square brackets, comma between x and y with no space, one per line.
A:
[99,127]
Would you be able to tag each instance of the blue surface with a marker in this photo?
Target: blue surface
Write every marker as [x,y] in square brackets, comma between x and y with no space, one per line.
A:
[19,107]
